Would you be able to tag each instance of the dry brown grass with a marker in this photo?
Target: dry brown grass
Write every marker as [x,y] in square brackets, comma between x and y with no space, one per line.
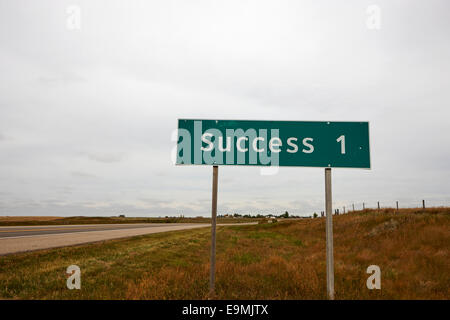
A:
[287,260]
[284,260]
[27,218]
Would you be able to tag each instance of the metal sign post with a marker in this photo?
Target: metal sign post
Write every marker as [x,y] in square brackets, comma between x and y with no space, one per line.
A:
[329,235]
[212,274]
[324,144]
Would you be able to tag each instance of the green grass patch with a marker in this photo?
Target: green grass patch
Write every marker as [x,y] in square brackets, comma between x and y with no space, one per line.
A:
[245,258]
[265,235]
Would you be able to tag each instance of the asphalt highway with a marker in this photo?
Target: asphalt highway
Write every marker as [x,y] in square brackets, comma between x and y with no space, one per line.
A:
[28,238]
[7,232]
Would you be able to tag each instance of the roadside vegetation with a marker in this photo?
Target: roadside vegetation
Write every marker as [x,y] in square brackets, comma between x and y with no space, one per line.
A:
[283,260]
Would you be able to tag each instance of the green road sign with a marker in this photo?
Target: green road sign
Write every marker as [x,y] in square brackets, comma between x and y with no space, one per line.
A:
[273,143]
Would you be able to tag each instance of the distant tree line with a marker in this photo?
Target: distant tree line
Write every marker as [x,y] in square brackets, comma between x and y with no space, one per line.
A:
[284,215]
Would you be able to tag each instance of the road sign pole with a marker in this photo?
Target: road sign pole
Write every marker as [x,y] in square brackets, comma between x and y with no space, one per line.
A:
[329,232]
[212,274]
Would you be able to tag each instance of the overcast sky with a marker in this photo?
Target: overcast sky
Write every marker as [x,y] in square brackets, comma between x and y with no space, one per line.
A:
[88,106]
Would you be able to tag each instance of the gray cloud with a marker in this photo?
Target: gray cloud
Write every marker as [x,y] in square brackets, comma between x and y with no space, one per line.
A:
[60,79]
[104,100]
[106,157]
[82,174]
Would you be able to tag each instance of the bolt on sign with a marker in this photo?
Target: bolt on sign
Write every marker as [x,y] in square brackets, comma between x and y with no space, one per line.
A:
[273,143]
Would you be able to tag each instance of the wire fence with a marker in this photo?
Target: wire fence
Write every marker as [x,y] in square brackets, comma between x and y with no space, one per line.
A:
[378,205]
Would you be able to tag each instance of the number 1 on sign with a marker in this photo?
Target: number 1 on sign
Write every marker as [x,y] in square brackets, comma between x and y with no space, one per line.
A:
[341,139]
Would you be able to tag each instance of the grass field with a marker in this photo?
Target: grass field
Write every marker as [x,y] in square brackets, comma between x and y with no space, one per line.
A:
[284,260]
[35,221]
